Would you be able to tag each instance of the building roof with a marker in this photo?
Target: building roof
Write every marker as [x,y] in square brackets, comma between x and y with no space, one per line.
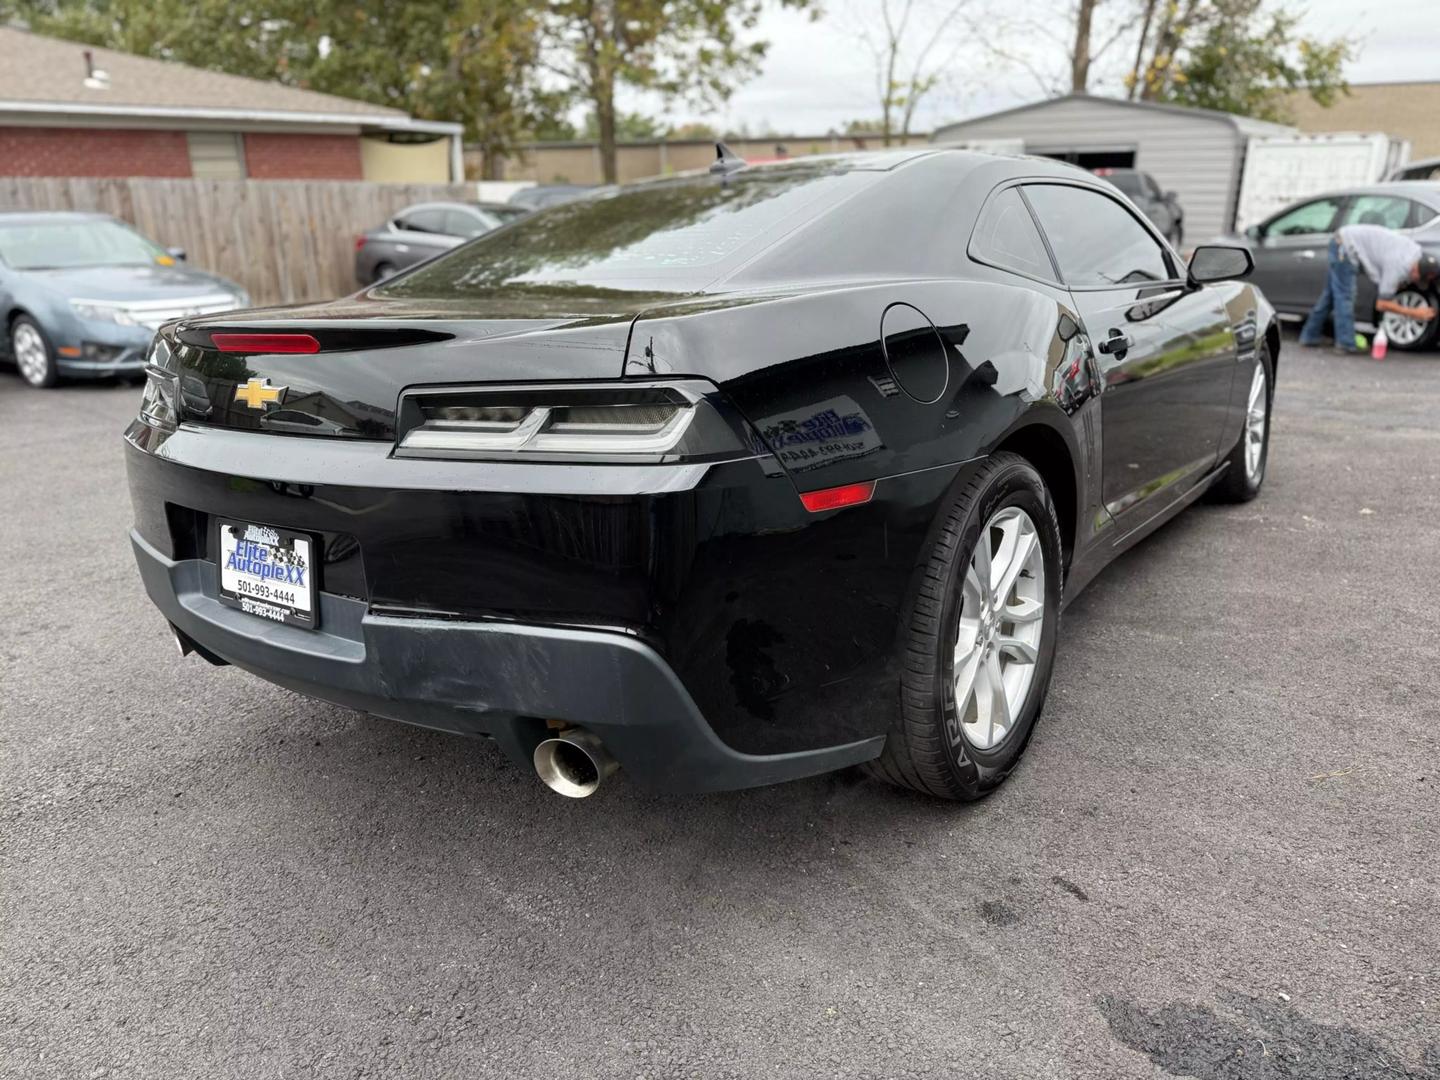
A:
[44,75]
[1244,124]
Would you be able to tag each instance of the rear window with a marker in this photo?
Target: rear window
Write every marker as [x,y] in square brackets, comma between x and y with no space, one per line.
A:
[677,235]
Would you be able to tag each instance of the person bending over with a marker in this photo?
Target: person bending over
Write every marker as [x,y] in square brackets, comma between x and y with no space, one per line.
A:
[1388,259]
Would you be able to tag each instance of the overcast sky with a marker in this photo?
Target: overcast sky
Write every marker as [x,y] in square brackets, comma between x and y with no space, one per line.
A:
[818,75]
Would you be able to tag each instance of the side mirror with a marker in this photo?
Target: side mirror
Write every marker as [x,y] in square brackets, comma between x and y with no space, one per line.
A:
[176,253]
[1217,262]
[1254,233]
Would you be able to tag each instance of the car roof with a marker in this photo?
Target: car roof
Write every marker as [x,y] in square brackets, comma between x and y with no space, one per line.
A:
[48,217]
[435,204]
[1426,191]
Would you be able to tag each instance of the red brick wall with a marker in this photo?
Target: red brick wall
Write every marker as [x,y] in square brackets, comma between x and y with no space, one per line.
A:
[35,151]
[302,157]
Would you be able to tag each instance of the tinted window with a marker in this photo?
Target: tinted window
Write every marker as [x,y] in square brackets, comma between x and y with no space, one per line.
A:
[1312,217]
[1387,210]
[1006,236]
[459,223]
[666,233]
[432,220]
[1096,241]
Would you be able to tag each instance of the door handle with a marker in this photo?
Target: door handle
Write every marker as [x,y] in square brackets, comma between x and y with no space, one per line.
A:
[1117,345]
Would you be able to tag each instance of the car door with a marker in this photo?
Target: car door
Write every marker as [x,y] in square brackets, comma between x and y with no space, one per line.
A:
[421,233]
[1291,252]
[1164,349]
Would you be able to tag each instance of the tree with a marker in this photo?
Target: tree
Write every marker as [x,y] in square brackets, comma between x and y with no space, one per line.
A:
[471,61]
[629,126]
[1243,56]
[694,130]
[903,43]
[689,49]
[1042,35]
[235,38]
[1240,56]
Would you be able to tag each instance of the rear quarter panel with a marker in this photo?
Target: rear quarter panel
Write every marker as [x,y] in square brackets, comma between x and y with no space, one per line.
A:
[788,635]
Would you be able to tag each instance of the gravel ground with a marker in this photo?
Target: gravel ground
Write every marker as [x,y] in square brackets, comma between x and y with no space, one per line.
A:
[1218,858]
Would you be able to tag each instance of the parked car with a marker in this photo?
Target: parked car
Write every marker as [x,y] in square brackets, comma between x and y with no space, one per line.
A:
[720,479]
[418,232]
[1424,169]
[1290,249]
[542,195]
[83,294]
[1160,206]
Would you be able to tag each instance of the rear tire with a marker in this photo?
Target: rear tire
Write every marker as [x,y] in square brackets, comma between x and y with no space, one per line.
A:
[1251,455]
[382,271]
[941,745]
[33,354]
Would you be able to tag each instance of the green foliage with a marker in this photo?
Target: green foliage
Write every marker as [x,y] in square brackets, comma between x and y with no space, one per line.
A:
[472,61]
[629,127]
[1245,57]
[693,130]
[692,50]
[236,38]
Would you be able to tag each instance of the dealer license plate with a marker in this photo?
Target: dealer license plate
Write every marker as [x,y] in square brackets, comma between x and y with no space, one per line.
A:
[267,572]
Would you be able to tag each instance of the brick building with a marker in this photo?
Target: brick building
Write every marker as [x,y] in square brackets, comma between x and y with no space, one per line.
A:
[73,110]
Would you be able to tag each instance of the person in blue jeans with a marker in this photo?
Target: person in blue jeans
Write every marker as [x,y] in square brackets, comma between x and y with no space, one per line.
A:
[1386,258]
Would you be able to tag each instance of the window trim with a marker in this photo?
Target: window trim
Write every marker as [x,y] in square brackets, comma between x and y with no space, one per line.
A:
[1173,262]
[1354,198]
[1056,281]
[1343,201]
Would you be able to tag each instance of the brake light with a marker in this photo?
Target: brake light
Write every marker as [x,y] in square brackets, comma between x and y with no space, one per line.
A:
[360,241]
[836,497]
[655,423]
[266,343]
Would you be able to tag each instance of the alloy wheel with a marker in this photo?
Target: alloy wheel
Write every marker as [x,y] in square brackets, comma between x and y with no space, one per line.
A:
[1400,329]
[1002,612]
[30,353]
[1256,419]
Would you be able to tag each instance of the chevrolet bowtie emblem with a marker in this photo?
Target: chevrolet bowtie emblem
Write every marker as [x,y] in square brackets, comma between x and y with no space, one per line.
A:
[258,393]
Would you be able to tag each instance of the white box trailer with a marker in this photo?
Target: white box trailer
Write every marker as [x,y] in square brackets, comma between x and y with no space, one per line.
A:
[1282,169]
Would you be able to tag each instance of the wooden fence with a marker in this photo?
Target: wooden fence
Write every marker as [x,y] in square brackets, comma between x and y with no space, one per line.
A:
[284,240]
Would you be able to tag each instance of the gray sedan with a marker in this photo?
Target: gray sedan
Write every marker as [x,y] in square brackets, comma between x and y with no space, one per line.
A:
[418,232]
[1291,260]
[81,295]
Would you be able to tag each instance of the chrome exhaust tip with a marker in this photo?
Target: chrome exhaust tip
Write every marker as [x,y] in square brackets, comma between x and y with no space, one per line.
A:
[573,763]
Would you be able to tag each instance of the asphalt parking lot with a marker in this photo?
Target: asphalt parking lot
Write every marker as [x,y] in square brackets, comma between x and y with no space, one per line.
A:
[1218,858]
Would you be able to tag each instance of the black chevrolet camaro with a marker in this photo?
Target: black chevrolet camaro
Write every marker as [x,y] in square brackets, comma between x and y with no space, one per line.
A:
[721,480]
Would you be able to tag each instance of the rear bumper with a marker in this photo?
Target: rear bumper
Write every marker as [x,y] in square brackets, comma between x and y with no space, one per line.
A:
[479,677]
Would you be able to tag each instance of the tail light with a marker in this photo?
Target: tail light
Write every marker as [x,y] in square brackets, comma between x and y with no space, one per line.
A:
[634,423]
[360,241]
[158,404]
[265,343]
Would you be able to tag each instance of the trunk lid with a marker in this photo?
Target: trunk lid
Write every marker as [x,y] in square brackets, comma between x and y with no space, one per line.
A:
[370,349]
